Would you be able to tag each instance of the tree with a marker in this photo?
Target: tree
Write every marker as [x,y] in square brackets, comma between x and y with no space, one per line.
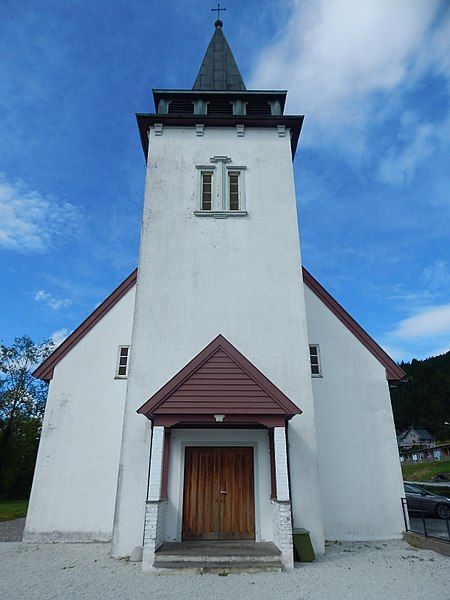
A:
[22,402]
[425,400]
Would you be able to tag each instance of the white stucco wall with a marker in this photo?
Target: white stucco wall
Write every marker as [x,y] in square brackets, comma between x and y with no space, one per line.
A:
[360,475]
[199,277]
[75,479]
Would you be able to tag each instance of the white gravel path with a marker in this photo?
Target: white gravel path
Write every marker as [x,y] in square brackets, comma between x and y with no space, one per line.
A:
[12,531]
[349,571]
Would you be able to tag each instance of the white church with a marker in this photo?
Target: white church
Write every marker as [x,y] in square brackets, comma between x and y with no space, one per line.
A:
[220,395]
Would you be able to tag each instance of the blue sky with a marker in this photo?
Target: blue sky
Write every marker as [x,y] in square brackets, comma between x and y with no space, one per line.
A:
[372,169]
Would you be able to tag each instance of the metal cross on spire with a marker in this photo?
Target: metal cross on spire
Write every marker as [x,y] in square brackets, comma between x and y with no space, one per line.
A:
[217,10]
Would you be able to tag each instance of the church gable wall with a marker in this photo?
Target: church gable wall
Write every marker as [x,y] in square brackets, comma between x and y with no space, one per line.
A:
[75,480]
[360,478]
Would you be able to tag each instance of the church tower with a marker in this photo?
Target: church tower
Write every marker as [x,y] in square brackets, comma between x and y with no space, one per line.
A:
[219,357]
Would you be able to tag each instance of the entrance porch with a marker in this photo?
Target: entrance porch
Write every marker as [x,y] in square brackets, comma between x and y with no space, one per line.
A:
[218,466]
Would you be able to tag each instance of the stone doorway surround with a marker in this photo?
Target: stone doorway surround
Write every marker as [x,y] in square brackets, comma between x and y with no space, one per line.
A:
[218,399]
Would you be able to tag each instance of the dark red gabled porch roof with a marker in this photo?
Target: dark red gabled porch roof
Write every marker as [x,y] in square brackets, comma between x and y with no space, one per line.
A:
[219,380]
[393,371]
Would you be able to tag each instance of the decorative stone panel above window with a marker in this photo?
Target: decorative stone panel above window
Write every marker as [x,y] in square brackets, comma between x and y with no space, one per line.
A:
[221,188]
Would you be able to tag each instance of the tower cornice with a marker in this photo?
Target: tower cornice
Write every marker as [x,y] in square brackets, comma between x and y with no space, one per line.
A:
[292,122]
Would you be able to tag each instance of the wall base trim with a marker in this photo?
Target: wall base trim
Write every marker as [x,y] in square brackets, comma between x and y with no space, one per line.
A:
[69,537]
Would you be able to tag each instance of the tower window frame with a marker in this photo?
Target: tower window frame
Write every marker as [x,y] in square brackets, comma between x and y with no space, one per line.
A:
[235,204]
[207,182]
[227,197]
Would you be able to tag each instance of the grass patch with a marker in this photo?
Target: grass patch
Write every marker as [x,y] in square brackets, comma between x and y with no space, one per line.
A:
[13,509]
[425,471]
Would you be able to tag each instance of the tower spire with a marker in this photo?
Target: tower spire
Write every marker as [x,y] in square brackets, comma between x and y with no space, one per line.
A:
[219,70]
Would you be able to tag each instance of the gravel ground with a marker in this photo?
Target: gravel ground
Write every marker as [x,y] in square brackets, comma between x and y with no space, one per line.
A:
[349,571]
[11,531]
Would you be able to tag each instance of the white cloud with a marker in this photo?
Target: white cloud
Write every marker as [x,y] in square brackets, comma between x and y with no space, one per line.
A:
[418,298]
[32,222]
[399,165]
[423,334]
[417,142]
[59,336]
[437,274]
[344,60]
[434,321]
[55,303]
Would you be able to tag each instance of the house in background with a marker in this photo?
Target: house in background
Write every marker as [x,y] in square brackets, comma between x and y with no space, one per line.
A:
[206,398]
[415,437]
[440,452]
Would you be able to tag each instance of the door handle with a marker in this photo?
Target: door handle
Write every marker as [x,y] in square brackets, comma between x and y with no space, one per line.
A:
[222,491]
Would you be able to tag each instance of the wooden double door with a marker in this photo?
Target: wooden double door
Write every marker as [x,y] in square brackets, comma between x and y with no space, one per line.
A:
[218,499]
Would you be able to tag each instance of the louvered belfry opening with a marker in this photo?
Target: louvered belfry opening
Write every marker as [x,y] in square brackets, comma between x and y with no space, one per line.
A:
[182,106]
[220,107]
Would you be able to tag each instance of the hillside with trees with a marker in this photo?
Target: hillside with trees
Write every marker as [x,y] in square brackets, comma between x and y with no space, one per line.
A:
[424,401]
[22,402]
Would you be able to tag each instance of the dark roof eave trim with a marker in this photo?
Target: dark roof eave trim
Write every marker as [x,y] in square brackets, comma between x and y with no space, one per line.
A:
[293,122]
[162,91]
[393,371]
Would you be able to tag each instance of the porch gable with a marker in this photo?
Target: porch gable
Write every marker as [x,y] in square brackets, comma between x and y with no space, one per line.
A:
[219,383]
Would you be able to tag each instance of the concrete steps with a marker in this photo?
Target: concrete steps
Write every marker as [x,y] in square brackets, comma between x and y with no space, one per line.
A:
[219,556]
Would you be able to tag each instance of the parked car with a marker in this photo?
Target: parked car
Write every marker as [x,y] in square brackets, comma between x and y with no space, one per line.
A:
[419,500]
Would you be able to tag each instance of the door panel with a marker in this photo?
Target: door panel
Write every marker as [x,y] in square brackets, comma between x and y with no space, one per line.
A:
[218,501]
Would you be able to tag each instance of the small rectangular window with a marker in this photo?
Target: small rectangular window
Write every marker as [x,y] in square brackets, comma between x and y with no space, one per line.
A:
[206,190]
[122,362]
[233,186]
[314,357]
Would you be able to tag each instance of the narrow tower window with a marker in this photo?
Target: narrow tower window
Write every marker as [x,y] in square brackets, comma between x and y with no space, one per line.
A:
[206,190]
[233,180]
[316,370]
[122,363]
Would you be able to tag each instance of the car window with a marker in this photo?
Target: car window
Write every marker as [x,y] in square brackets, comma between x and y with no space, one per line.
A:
[412,489]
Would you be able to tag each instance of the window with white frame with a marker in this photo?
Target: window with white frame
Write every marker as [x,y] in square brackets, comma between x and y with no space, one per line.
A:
[221,189]
[314,357]
[233,190]
[122,362]
[206,191]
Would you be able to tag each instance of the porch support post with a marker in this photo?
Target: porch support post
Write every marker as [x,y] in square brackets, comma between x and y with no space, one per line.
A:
[156,505]
[273,474]
[281,464]
[156,463]
[281,504]
[165,463]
